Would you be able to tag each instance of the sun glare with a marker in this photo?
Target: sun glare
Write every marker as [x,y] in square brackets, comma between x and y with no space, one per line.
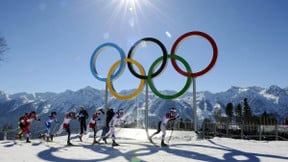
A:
[131,5]
[129,10]
[130,15]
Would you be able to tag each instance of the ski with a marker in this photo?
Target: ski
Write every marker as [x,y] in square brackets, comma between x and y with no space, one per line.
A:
[152,142]
[70,144]
[84,137]
[199,134]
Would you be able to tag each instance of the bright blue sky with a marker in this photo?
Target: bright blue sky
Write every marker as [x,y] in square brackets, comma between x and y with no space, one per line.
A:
[51,42]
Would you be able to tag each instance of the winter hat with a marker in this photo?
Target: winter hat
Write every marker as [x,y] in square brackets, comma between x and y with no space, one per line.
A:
[173,110]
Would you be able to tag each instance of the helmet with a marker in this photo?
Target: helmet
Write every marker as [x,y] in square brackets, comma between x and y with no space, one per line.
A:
[72,113]
[172,110]
[33,113]
[120,111]
[99,111]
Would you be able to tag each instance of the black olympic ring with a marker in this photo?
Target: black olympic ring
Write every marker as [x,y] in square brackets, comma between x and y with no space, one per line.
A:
[164,60]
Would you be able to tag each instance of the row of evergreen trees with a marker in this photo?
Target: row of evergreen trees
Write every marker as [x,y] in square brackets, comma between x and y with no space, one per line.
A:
[243,115]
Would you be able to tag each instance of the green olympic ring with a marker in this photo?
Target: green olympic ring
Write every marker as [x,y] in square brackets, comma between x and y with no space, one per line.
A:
[182,91]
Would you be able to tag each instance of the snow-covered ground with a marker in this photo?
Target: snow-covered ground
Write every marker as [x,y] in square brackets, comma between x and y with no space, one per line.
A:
[184,146]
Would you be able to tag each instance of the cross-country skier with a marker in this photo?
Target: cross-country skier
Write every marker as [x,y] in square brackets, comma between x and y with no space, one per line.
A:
[26,122]
[117,118]
[47,123]
[105,130]
[82,117]
[93,123]
[21,125]
[172,115]
[66,125]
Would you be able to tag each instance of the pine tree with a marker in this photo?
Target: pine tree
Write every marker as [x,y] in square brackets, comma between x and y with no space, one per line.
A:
[238,114]
[247,114]
[217,114]
[229,111]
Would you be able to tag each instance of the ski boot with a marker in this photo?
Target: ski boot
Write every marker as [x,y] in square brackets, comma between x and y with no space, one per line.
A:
[51,137]
[69,143]
[28,140]
[105,140]
[41,136]
[114,143]
[163,144]
[80,138]
[95,141]
[150,139]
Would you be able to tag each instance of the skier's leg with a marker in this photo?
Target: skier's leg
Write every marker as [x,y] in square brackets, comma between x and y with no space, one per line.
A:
[102,135]
[20,133]
[163,128]
[112,130]
[81,127]
[105,133]
[84,126]
[158,130]
[47,134]
[27,132]
[94,135]
[68,135]
[94,132]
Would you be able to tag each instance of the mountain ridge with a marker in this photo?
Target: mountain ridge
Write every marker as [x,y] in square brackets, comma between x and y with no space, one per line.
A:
[273,100]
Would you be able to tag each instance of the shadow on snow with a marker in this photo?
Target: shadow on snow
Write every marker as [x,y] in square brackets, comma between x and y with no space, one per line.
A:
[148,149]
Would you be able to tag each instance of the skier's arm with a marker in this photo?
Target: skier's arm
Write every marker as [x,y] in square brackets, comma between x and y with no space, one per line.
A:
[56,120]
[174,117]
[36,118]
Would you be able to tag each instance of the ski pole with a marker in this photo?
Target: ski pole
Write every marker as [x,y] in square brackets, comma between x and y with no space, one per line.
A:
[172,128]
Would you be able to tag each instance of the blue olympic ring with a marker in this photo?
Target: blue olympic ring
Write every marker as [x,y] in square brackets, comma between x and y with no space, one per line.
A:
[96,53]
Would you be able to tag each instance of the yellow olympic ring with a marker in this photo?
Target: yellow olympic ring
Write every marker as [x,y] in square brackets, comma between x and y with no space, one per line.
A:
[111,72]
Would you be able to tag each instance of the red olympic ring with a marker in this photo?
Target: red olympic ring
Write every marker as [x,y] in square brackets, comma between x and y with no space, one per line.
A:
[212,62]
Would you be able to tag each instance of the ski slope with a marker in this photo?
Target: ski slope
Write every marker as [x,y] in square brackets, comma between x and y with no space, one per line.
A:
[183,146]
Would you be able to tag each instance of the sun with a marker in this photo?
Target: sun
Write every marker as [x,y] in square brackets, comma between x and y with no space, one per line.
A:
[127,11]
[130,5]
[128,15]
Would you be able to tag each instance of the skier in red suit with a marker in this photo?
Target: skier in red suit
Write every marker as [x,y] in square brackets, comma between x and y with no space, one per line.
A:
[26,122]
[66,125]
[93,123]
[172,115]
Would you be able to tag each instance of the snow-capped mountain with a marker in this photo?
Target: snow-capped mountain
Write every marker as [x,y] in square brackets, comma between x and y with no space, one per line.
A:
[273,100]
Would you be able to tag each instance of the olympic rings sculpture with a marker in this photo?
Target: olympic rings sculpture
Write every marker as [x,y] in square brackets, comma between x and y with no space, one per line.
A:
[151,74]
